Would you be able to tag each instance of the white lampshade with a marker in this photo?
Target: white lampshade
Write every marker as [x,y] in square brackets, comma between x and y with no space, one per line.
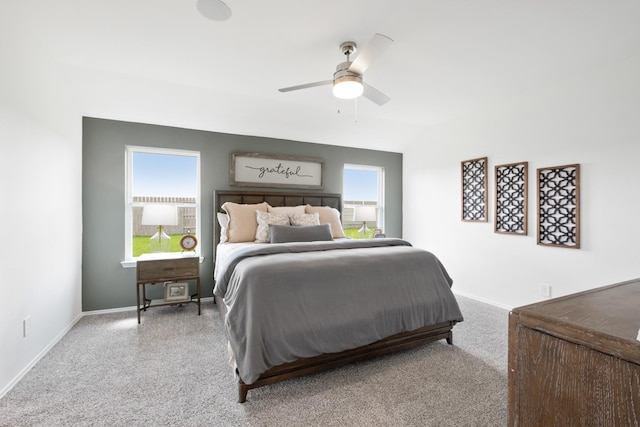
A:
[365,213]
[153,214]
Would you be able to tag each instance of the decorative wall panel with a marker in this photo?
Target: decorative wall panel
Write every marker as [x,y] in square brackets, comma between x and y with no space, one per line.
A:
[474,190]
[511,198]
[559,206]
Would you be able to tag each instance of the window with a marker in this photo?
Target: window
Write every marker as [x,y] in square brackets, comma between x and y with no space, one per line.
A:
[363,186]
[157,179]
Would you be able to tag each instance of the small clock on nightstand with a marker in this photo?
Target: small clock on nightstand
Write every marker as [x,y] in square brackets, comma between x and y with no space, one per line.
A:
[188,243]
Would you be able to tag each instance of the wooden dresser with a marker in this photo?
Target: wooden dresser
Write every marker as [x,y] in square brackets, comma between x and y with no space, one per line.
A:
[575,360]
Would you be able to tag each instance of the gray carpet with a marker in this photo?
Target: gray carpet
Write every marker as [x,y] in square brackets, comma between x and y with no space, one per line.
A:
[172,370]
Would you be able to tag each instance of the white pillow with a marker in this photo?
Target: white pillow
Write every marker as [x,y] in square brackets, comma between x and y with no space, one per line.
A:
[223,219]
[305,220]
[329,216]
[288,210]
[264,220]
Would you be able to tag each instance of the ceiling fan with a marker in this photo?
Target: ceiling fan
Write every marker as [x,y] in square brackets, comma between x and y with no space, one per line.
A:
[216,10]
[348,79]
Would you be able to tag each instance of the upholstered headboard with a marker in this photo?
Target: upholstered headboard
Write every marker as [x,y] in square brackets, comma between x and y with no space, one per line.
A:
[273,198]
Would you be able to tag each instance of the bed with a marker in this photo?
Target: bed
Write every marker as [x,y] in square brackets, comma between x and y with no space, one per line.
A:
[305,299]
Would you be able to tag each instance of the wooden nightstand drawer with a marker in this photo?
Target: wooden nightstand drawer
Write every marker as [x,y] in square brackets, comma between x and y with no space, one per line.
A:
[167,269]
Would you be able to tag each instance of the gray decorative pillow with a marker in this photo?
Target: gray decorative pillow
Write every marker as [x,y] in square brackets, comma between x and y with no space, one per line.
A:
[284,233]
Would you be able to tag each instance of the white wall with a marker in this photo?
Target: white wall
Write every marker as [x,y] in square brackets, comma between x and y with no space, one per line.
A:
[40,196]
[594,120]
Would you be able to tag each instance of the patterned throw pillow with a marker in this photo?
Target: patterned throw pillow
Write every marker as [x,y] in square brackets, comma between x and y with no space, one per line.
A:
[305,220]
[264,220]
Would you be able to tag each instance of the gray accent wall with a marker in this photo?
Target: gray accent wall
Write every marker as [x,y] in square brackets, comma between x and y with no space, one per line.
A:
[105,283]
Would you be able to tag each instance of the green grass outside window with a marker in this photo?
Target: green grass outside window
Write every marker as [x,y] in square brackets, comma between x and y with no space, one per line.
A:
[141,243]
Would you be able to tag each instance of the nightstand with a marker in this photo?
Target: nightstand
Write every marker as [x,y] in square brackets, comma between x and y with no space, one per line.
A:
[157,269]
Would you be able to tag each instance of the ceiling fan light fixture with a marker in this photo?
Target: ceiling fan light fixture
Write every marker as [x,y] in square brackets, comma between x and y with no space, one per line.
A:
[347,80]
[346,84]
[348,87]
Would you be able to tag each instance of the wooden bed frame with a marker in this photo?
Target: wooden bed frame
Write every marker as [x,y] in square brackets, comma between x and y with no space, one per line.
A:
[305,366]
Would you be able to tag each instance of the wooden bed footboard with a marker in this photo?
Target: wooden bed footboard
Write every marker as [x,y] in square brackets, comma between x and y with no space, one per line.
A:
[392,344]
[300,367]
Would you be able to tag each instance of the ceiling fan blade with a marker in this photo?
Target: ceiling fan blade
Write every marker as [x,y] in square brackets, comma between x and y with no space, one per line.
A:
[376,47]
[216,10]
[306,86]
[374,95]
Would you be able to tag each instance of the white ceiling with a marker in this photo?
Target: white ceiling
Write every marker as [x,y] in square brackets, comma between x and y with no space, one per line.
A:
[161,62]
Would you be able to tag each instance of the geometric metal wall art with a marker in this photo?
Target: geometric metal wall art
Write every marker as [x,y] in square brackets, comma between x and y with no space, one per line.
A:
[559,206]
[474,190]
[511,198]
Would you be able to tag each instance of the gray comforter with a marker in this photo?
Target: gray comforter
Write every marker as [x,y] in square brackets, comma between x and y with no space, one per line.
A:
[292,300]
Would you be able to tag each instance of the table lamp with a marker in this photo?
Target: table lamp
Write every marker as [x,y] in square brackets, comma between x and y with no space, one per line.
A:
[160,216]
[364,214]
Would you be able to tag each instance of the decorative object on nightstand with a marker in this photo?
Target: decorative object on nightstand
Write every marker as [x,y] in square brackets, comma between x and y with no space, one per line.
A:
[188,242]
[377,233]
[160,216]
[364,214]
[176,292]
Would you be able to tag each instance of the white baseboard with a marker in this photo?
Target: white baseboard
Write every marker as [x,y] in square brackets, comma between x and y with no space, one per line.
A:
[46,350]
[38,357]
[130,308]
[484,300]
[109,310]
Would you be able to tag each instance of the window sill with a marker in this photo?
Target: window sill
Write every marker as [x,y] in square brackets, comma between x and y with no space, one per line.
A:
[131,263]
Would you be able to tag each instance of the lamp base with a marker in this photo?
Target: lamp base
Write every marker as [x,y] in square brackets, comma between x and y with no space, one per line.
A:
[364,231]
[159,242]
